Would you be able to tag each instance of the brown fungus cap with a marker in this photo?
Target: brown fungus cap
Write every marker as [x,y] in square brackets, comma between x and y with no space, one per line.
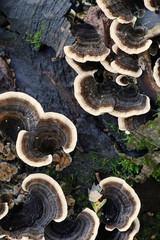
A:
[134,122]
[87,67]
[126,64]
[45,201]
[130,102]
[107,63]
[123,201]
[18,111]
[3,209]
[156,72]
[88,45]
[95,98]
[128,38]
[85,227]
[129,234]
[53,132]
[123,80]
[27,153]
[116,9]
[50,190]
[152,5]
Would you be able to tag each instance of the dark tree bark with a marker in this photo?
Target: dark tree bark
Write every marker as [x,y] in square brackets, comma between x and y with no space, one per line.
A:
[44,16]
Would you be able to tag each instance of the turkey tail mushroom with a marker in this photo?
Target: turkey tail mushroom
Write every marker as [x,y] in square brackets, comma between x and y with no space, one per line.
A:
[85,227]
[45,201]
[18,111]
[53,132]
[123,201]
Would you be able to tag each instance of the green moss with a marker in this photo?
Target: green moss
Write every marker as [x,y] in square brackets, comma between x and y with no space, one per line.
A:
[118,167]
[147,160]
[156,173]
[35,39]
[141,142]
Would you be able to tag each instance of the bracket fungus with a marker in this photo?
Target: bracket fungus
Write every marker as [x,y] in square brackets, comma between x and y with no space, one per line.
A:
[117,235]
[116,9]
[18,111]
[130,102]
[122,206]
[152,5]
[88,45]
[128,38]
[156,72]
[98,98]
[107,63]
[95,98]
[53,132]
[126,64]
[45,202]
[3,209]
[85,227]
[134,122]
[123,80]
[131,232]
[87,67]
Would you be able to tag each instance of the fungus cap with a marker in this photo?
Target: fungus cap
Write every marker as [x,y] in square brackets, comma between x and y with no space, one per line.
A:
[117,235]
[3,209]
[123,80]
[44,202]
[85,227]
[54,131]
[107,63]
[116,9]
[129,39]
[50,188]
[88,46]
[91,97]
[65,125]
[126,64]
[151,5]
[87,67]
[156,72]
[131,232]
[124,202]
[18,111]
[130,102]
[24,151]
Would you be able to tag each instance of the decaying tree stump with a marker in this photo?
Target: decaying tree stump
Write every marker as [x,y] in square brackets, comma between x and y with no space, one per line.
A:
[42,16]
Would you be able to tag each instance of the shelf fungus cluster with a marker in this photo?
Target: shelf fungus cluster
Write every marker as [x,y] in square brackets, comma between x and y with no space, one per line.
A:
[43,214]
[120,210]
[123,201]
[85,227]
[38,134]
[118,235]
[44,202]
[108,67]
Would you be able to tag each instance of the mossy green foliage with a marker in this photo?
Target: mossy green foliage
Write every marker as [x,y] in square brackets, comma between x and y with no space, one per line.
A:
[150,226]
[35,39]
[156,173]
[140,142]
[118,167]
[114,128]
